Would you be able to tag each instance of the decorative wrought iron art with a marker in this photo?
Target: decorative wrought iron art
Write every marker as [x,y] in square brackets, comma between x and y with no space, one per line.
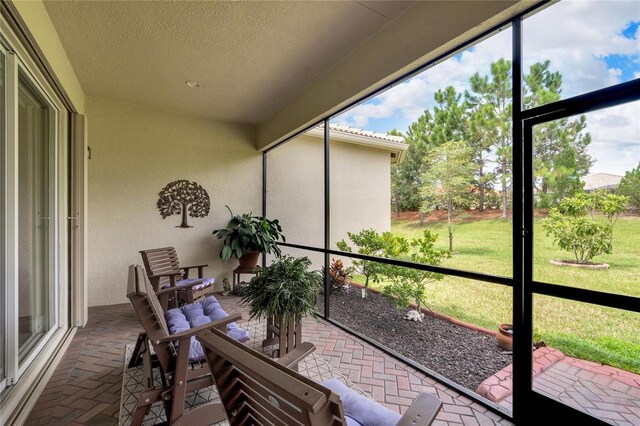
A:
[182,197]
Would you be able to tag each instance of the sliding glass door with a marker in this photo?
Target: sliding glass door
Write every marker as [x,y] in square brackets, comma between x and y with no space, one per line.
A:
[32,289]
[35,202]
[3,239]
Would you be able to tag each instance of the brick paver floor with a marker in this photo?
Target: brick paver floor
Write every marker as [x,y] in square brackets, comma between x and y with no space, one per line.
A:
[85,388]
[611,394]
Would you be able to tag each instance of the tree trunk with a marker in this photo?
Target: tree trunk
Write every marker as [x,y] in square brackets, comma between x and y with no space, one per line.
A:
[397,209]
[366,286]
[481,188]
[184,223]
[449,208]
[505,208]
[421,219]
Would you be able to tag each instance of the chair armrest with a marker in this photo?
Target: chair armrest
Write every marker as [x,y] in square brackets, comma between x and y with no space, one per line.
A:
[297,355]
[166,274]
[423,411]
[174,289]
[192,331]
[194,266]
[187,268]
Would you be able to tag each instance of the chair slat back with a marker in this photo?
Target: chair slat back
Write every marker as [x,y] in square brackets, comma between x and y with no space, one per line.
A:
[150,314]
[256,389]
[160,261]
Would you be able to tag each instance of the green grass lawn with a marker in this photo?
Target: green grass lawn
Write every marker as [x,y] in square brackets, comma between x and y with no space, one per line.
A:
[582,330]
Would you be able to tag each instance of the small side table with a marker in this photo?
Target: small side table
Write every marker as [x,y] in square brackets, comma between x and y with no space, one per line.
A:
[236,276]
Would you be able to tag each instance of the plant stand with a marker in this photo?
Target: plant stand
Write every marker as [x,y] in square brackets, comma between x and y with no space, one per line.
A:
[287,335]
[236,276]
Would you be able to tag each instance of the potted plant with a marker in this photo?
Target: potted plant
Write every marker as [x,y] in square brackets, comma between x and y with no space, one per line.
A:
[283,293]
[246,236]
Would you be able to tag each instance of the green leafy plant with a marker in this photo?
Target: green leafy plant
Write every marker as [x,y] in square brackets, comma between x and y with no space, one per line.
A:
[246,232]
[583,224]
[286,287]
[339,276]
[370,242]
[409,284]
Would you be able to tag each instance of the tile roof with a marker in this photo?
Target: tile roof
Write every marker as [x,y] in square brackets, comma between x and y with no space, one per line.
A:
[366,133]
[601,180]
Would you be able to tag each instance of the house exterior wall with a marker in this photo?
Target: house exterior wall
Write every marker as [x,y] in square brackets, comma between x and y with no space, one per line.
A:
[360,191]
[135,152]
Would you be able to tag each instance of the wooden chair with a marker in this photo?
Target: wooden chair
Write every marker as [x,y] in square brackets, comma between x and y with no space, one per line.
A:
[255,389]
[171,356]
[164,271]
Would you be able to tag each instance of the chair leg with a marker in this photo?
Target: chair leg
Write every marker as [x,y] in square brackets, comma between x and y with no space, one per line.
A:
[179,388]
[138,415]
[142,409]
[141,346]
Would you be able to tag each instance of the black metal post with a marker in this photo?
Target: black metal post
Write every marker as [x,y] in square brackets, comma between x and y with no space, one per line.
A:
[327,215]
[520,210]
[264,196]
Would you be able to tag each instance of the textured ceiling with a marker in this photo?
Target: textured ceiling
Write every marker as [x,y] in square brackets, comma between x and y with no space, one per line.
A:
[251,58]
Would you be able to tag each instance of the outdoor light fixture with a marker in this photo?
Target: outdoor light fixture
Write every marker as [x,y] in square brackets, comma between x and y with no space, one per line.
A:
[192,83]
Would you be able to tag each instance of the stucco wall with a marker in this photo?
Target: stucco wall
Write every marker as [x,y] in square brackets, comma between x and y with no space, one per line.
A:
[360,190]
[135,152]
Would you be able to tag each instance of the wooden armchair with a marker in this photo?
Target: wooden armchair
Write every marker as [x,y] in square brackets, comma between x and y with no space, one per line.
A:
[171,355]
[255,389]
[164,271]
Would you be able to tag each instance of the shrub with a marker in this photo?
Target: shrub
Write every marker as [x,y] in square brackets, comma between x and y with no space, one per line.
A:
[583,224]
[339,276]
[370,242]
[582,236]
[411,284]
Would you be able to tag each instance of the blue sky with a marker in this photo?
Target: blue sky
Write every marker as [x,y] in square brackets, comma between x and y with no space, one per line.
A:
[594,44]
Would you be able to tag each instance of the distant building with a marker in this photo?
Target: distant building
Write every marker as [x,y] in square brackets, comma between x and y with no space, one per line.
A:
[597,181]
[360,183]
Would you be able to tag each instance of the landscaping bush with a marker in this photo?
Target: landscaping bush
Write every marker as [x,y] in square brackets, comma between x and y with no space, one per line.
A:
[339,276]
[370,242]
[408,284]
[583,224]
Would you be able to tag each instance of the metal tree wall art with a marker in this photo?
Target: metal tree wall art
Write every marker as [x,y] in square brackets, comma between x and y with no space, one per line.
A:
[182,197]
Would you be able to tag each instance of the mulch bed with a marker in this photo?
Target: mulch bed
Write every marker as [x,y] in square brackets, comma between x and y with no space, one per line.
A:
[458,353]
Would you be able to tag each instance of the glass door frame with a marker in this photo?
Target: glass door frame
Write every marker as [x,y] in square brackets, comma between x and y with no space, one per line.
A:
[3,248]
[15,71]
[529,402]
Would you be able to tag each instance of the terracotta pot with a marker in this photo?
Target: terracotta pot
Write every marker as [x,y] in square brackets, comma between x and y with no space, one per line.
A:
[249,260]
[505,336]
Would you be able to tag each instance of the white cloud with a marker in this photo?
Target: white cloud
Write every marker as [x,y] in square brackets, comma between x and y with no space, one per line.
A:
[361,121]
[412,97]
[576,36]
[615,138]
